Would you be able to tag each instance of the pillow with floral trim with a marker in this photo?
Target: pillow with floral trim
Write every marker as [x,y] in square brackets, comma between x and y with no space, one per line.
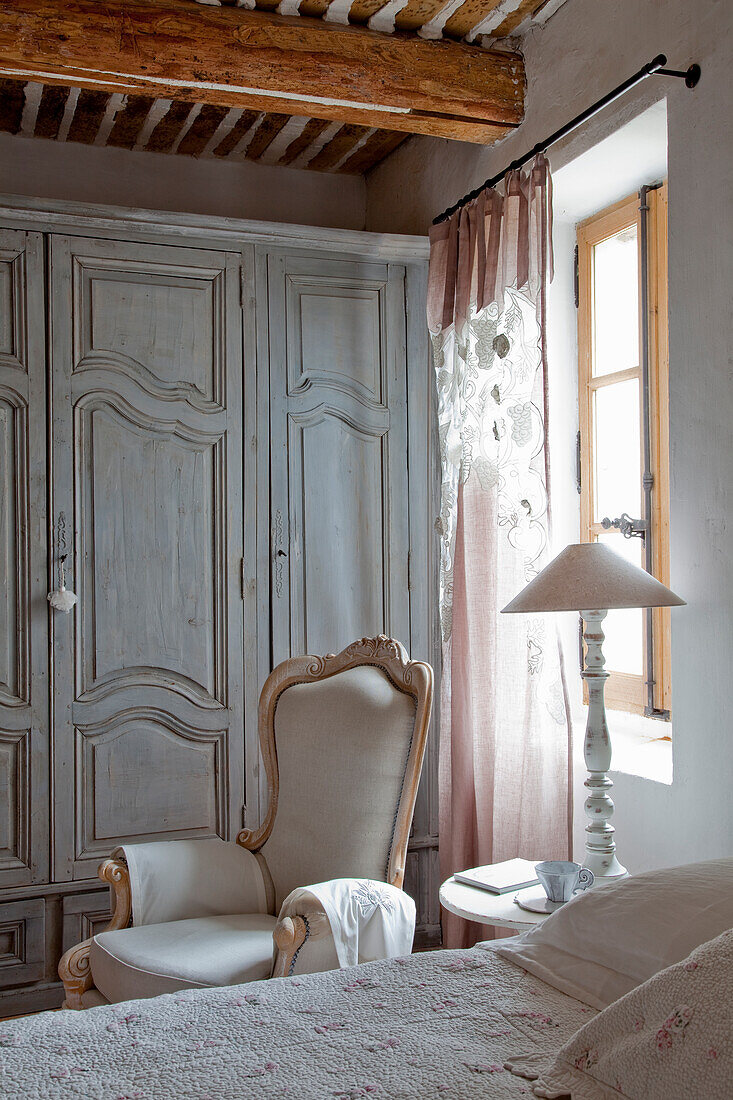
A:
[669,1039]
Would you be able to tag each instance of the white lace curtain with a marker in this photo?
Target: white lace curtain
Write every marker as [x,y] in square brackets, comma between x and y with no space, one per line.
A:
[505,760]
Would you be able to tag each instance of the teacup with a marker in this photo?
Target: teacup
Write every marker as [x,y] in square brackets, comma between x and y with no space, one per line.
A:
[562,879]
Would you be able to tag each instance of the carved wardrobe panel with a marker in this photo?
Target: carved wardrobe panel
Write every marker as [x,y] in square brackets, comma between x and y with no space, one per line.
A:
[24,729]
[147,503]
[340,534]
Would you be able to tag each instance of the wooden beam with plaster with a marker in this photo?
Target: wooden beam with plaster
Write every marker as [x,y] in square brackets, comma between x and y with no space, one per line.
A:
[233,57]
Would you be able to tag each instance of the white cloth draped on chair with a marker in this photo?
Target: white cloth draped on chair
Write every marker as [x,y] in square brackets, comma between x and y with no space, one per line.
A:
[505,735]
[369,920]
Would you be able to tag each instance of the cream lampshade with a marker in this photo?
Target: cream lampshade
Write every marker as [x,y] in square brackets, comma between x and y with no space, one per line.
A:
[593,579]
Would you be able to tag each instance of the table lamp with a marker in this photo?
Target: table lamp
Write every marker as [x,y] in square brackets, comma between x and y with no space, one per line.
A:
[590,575]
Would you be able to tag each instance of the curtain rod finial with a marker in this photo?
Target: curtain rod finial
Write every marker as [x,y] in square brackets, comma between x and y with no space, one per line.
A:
[692,77]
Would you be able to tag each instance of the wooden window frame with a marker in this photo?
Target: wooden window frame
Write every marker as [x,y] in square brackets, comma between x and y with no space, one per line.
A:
[624,691]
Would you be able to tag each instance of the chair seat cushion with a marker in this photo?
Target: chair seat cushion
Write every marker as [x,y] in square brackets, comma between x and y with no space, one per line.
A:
[184,954]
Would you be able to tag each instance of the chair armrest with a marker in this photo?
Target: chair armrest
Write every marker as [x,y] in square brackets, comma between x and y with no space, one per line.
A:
[74,966]
[341,923]
[306,923]
[204,877]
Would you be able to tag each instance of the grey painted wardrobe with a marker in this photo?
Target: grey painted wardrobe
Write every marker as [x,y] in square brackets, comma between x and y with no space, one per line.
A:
[227,431]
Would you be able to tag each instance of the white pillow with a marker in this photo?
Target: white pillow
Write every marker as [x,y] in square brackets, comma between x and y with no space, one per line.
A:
[670,1037]
[610,939]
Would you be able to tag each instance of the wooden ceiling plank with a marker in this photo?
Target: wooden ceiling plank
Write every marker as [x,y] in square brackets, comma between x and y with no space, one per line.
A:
[130,121]
[202,129]
[115,105]
[362,10]
[156,114]
[242,126]
[309,133]
[337,148]
[12,101]
[165,133]
[265,134]
[513,19]
[238,58]
[90,110]
[416,13]
[292,129]
[374,150]
[468,16]
[51,111]
[314,8]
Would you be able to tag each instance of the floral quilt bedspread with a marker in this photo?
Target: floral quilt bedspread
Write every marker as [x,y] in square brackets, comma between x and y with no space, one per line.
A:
[440,1024]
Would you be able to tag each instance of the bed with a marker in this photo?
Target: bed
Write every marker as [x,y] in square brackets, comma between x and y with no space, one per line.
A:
[624,992]
[424,1025]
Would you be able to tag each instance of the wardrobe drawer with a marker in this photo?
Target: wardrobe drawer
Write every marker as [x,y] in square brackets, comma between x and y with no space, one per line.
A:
[84,915]
[22,941]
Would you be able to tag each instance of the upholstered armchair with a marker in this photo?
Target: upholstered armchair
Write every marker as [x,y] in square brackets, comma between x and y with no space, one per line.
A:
[342,739]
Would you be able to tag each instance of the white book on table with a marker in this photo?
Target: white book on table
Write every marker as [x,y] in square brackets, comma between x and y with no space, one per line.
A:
[500,878]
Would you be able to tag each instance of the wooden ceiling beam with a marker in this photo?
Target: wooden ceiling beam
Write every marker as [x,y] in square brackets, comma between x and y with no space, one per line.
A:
[233,57]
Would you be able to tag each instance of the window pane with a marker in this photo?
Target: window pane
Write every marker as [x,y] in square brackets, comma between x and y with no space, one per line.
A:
[617,450]
[616,303]
[624,629]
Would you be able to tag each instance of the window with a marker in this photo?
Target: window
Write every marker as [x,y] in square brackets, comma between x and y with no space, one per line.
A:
[612,430]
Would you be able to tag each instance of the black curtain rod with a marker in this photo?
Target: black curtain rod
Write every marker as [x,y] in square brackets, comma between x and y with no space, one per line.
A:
[654,68]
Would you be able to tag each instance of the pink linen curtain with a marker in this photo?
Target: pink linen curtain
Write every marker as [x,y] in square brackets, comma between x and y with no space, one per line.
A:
[505,734]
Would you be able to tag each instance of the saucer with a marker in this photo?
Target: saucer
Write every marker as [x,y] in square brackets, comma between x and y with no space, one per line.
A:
[535,900]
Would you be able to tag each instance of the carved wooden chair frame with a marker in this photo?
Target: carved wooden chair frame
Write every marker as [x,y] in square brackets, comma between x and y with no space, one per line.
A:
[414,678]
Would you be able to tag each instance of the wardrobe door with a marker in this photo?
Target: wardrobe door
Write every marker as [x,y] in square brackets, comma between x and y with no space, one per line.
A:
[23,563]
[339,522]
[147,414]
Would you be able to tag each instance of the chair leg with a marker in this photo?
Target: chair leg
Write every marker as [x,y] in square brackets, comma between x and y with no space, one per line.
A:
[75,967]
[76,974]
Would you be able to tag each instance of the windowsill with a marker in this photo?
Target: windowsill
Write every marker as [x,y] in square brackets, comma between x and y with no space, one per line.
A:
[639,744]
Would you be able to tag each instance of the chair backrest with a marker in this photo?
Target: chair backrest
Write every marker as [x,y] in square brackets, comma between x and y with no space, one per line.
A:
[343,739]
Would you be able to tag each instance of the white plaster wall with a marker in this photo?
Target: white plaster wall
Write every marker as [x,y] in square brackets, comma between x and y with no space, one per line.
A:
[158,181]
[583,51]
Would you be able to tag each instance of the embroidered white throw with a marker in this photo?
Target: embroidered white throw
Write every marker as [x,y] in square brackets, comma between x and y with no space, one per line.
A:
[369,920]
[668,1039]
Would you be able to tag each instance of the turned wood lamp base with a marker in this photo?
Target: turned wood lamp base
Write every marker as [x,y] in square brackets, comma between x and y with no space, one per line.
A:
[600,846]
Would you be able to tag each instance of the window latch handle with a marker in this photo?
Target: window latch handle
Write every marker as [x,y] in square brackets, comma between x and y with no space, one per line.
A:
[629,528]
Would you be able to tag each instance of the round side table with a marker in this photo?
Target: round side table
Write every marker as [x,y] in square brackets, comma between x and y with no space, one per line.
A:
[484,907]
